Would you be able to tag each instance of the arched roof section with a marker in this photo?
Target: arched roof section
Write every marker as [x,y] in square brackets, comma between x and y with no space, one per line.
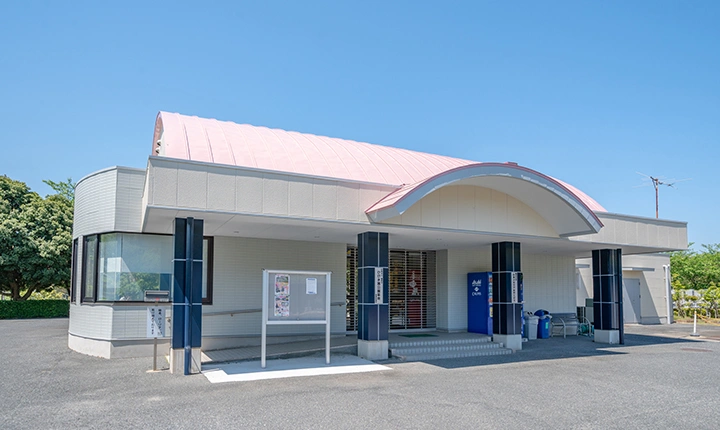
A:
[222,142]
[553,200]
[413,173]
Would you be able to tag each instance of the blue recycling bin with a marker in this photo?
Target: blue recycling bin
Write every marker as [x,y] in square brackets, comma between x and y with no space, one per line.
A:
[544,327]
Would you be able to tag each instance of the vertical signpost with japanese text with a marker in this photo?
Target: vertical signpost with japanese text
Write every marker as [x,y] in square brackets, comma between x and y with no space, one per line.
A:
[379,285]
[155,328]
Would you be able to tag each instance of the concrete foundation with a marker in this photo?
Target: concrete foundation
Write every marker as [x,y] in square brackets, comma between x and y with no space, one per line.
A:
[611,337]
[177,361]
[373,349]
[512,341]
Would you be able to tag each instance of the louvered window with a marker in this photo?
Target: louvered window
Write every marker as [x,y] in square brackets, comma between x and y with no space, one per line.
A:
[412,289]
[351,290]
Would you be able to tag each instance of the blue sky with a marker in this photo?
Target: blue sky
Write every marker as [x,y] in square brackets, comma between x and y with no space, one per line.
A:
[588,92]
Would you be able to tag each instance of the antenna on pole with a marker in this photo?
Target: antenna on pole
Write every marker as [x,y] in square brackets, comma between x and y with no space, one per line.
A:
[656,182]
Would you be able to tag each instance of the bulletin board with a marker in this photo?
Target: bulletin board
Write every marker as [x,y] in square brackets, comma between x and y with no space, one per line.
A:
[295,297]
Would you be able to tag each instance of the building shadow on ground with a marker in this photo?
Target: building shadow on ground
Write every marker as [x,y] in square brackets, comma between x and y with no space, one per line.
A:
[557,348]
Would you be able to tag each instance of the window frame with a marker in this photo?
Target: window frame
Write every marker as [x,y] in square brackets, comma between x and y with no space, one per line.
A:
[73,270]
[84,297]
[208,300]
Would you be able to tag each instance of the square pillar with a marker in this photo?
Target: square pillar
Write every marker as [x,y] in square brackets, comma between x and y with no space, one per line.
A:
[187,296]
[373,308]
[507,294]
[607,295]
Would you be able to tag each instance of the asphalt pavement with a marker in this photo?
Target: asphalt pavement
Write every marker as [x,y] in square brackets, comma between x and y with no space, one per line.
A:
[661,378]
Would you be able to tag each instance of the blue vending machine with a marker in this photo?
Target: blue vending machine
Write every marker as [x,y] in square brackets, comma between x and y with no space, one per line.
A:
[480,301]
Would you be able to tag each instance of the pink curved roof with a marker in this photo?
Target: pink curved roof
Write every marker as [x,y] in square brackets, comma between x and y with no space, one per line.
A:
[223,142]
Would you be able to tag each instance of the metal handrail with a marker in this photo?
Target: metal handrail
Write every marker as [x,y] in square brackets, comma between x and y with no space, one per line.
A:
[250,311]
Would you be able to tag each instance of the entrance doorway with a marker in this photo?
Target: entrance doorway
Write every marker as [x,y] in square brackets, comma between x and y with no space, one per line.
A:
[412,290]
[631,300]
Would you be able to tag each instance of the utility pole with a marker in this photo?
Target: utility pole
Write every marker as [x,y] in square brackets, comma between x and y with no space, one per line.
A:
[656,183]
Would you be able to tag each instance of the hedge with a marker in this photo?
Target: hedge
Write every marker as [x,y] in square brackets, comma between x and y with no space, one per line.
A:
[34,309]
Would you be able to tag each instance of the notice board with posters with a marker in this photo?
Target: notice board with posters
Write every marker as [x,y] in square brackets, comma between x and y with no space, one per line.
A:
[295,297]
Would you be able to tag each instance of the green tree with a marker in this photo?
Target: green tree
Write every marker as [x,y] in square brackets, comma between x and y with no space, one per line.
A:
[35,238]
[711,297]
[696,270]
[64,189]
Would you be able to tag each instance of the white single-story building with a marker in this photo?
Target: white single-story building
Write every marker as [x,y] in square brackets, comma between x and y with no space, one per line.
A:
[272,199]
[647,296]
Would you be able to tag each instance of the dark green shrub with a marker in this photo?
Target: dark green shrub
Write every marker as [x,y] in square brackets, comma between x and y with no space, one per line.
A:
[34,309]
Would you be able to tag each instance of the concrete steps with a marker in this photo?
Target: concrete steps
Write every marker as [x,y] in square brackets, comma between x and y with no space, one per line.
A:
[436,349]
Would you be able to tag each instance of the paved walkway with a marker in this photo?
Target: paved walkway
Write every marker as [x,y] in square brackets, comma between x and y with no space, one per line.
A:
[348,344]
[344,344]
[287,349]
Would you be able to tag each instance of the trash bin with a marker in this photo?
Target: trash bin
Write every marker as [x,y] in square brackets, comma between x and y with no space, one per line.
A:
[544,327]
[531,326]
[543,323]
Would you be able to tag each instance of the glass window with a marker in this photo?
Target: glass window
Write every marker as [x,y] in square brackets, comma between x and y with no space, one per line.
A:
[129,264]
[122,266]
[207,270]
[90,268]
[73,271]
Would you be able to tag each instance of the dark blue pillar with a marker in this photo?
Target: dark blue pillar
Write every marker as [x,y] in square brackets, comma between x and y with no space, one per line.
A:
[187,287]
[373,316]
[507,300]
[607,295]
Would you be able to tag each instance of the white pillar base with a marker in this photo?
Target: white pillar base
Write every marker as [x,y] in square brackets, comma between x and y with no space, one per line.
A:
[177,360]
[512,341]
[373,349]
[611,337]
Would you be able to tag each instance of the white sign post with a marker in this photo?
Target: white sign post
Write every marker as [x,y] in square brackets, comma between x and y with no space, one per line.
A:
[155,328]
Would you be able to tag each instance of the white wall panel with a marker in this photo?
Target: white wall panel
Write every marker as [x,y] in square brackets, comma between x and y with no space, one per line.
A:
[483,209]
[249,193]
[442,289]
[628,230]
[93,321]
[448,207]
[430,206]
[95,203]
[653,234]
[130,322]
[325,200]
[221,190]
[300,198]
[549,282]
[164,183]
[499,211]
[412,216]
[632,232]
[275,195]
[642,238]
[466,208]
[193,187]
[128,200]
[475,208]
[348,199]
[237,283]
[200,186]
